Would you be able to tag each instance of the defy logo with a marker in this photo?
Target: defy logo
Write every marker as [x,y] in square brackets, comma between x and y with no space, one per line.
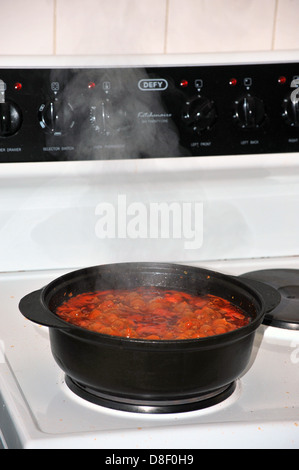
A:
[152,84]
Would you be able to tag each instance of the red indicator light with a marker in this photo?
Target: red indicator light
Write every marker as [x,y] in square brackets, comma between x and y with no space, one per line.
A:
[282,80]
[184,83]
[18,86]
[91,85]
[233,82]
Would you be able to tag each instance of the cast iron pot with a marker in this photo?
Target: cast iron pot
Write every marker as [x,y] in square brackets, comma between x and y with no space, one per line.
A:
[154,376]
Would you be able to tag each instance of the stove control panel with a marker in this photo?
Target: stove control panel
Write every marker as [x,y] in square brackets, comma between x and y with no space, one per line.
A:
[156,112]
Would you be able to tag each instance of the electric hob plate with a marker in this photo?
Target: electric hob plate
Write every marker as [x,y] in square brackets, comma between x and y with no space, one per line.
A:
[143,406]
[286,282]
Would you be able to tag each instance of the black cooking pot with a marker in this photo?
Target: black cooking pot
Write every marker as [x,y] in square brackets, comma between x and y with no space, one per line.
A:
[150,375]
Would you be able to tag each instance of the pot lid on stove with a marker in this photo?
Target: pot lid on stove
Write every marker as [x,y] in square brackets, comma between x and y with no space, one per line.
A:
[286,282]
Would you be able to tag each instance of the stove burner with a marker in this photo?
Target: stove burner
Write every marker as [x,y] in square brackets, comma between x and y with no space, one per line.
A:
[149,406]
[286,282]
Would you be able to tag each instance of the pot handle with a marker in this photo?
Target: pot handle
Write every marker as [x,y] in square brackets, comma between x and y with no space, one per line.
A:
[32,307]
[270,295]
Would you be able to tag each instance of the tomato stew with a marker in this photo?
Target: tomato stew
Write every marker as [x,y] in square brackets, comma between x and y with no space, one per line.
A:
[152,313]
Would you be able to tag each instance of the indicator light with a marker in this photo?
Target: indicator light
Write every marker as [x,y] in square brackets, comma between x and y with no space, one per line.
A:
[18,86]
[91,85]
[184,83]
[233,82]
[282,80]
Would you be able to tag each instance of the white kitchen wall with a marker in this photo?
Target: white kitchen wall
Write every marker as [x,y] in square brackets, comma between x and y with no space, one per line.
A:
[146,26]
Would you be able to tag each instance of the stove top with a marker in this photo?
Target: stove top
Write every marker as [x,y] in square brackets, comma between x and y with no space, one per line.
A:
[40,411]
[230,177]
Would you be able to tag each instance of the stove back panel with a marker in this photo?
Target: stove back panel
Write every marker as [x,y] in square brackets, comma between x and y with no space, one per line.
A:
[103,113]
[80,144]
[73,214]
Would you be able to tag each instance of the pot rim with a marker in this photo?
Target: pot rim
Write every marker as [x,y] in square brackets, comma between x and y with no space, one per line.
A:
[205,342]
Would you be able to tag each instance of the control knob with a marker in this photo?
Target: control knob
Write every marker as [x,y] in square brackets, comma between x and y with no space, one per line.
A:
[10,114]
[199,114]
[107,119]
[10,118]
[249,112]
[56,117]
[291,106]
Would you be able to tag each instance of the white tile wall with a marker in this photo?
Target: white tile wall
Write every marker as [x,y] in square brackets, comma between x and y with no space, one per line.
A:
[217,25]
[287,26]
[26,27]
[146,26]
[110,27]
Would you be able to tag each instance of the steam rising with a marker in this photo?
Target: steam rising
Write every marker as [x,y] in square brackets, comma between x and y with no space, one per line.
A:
[113,117]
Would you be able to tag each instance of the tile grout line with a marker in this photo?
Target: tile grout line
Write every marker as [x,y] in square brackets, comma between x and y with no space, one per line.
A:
[274,25]
[166,27]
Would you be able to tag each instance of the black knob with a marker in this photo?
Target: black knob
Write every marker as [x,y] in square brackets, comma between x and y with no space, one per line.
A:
[10,118]
[291,112]
[249,112]
[56,117]
[199,114]
[107,119]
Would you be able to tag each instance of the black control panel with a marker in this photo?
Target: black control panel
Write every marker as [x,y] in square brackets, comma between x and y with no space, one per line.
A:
[124,113]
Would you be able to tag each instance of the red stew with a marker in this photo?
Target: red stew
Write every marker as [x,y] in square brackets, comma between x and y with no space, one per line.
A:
[152,314]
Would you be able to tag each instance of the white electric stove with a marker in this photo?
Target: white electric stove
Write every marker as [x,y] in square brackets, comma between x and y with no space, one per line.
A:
[219,159]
